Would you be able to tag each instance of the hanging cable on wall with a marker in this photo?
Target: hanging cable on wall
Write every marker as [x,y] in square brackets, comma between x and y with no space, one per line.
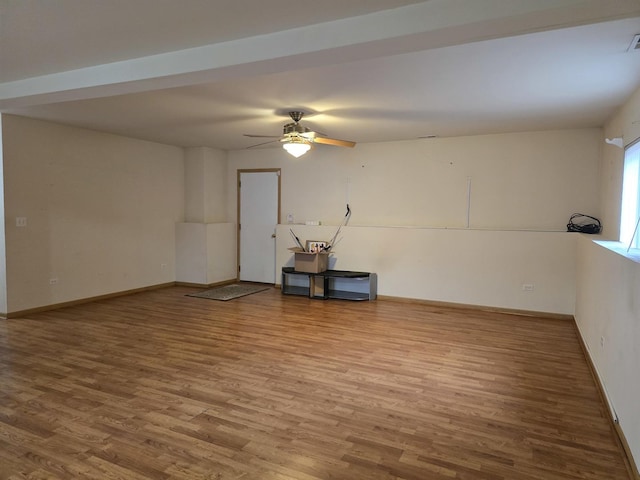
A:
[345,220]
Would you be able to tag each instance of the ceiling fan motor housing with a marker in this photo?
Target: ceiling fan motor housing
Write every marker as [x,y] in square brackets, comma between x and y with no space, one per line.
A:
[294,128]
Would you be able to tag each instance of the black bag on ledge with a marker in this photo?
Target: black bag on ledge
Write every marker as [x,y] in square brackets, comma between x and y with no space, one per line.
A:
[582,223]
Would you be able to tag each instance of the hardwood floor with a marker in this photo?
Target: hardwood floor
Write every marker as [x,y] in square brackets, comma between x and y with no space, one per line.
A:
[158,385]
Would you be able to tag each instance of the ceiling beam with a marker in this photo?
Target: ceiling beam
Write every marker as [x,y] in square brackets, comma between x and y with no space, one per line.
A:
[427,25]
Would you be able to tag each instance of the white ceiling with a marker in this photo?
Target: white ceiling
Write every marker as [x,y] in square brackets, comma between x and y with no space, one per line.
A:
[203,72]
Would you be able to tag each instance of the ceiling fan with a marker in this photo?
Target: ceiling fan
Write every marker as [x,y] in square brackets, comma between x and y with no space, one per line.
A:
[297,139]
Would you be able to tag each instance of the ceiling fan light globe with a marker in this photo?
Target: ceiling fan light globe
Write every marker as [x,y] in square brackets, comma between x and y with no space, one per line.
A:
[297,149]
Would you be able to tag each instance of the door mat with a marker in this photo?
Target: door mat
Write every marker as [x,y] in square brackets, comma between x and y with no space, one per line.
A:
[229,292]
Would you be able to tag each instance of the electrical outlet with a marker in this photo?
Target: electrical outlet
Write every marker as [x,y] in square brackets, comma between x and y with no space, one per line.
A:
[601,342]
[163,266]
[21,221]
[528,287]
[53,281]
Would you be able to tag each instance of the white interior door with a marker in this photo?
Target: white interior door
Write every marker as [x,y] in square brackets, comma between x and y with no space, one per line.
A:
[259,204]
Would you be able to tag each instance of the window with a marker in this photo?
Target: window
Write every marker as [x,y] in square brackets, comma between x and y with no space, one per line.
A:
[630,211]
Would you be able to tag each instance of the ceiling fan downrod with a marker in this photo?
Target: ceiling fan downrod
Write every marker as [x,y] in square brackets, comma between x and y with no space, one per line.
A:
[296,116]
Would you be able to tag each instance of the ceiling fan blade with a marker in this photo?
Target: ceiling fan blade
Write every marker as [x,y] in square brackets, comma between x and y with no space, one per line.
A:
[335,142]
[263,143]
[261,136]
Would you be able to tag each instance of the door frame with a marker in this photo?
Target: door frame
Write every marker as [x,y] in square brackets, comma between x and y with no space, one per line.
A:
[278,171]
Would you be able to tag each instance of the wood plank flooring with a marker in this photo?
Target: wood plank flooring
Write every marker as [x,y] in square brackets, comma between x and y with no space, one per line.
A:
[158,385]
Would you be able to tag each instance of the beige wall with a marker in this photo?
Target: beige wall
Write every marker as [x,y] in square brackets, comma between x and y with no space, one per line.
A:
[608,317]
[101,212]
[205,242]
[608,288]
[409,201]
[205,185]
[3,264]
[623,124]
[465,266]
[533,180]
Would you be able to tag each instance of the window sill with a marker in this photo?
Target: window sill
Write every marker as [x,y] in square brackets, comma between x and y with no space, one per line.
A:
[617,247]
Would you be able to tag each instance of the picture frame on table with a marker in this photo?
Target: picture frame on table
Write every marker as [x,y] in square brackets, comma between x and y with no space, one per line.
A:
[315,246]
